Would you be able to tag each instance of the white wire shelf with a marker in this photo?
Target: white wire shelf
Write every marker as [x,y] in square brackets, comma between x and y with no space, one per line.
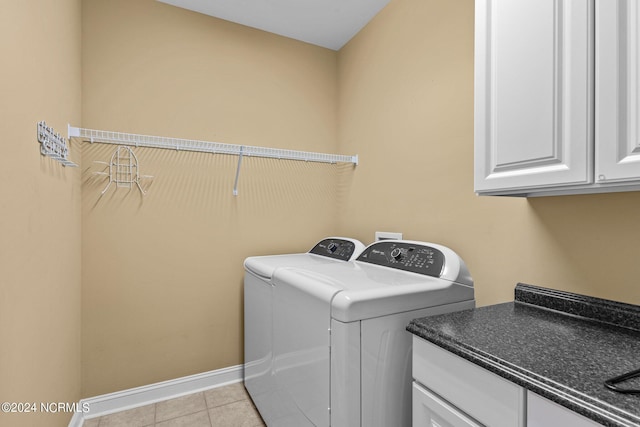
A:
[131,139]
[120,138]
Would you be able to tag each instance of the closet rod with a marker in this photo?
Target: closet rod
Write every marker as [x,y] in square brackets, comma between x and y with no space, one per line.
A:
[120,138]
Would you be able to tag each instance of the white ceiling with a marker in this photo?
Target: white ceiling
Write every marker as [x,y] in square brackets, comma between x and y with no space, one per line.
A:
[326,23]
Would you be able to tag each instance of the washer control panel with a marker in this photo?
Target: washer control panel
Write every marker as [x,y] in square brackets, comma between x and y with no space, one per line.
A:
[413,257]
[334,248]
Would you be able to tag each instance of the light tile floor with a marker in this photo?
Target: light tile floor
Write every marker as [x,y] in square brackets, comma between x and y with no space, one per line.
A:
[228,406]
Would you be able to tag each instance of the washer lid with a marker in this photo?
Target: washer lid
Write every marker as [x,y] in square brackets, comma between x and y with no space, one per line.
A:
[325,251]
[264,266]
[358,303]
[362,289]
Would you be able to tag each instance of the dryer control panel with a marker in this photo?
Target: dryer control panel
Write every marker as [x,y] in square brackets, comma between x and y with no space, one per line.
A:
[407,256]
[334,248]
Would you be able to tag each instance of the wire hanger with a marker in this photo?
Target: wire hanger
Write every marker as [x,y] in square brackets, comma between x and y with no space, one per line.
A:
[124,170]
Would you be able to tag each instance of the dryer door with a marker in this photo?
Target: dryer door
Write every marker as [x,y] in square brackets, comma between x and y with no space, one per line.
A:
[302,309]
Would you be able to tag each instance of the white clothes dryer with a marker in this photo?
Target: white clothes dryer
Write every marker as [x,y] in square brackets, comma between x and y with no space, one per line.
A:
[342,355]
[258,309]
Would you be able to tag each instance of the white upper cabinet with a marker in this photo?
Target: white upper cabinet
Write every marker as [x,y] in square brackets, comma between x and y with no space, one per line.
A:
[617,91]
[556,96]
[533,97]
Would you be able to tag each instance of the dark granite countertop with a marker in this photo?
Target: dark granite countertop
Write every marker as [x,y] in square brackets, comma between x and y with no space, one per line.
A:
[560,345]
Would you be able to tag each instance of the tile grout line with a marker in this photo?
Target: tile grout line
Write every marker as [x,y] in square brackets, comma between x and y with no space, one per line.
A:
[185,415]
[208,413]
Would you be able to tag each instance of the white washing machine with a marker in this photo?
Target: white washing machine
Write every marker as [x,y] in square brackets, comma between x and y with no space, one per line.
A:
[342,356]
[258,310]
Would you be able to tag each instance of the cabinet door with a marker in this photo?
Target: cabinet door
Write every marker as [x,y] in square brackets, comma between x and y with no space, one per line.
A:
[533,94]
[431,411]
[617,91]
[545,413]
[491,400]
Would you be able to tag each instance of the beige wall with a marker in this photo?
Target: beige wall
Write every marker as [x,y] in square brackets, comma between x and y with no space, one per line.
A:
[406,106]
[39,210]
[162,274]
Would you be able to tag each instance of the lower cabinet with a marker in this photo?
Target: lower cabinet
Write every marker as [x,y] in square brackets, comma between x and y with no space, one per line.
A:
[542,412]
[485,398]
[431,411]
[449,391]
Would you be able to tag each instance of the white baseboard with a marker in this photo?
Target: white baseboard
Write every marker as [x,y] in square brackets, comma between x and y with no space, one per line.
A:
[132,398]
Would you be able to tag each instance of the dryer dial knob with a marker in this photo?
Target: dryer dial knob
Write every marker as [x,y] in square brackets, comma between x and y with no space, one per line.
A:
[332,247]
[396,254]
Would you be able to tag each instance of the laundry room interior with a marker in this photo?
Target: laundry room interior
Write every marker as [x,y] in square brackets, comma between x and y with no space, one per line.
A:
[107,292]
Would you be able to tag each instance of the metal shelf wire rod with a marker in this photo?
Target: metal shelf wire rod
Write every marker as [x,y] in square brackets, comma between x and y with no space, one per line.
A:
[137,140]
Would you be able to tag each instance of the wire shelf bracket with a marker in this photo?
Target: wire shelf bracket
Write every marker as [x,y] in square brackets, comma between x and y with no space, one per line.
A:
[53,145]
[119,138]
